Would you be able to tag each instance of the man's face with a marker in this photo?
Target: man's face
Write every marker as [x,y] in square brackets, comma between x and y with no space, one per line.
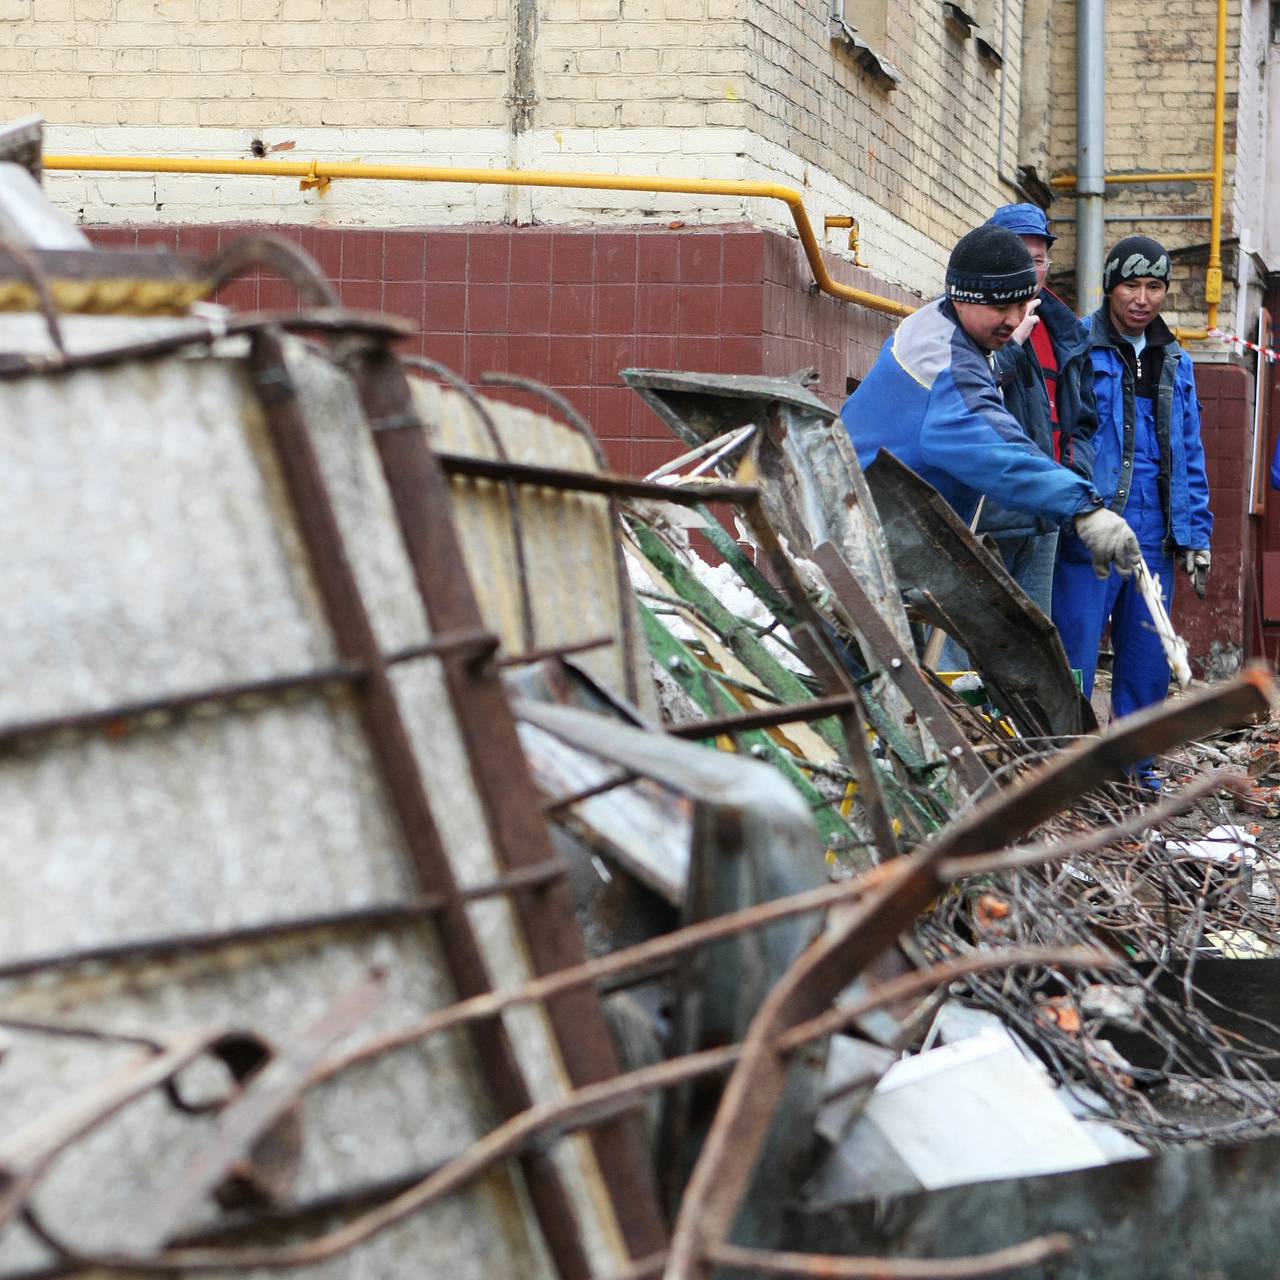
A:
[1136,303]
[1038,248]
[988,324]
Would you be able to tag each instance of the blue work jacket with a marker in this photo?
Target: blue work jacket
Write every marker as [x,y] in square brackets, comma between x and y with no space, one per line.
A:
[1183,481]
[1021,380]
[931,400]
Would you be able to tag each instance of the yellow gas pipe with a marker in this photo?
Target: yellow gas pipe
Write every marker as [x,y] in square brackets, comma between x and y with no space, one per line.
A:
[318,172]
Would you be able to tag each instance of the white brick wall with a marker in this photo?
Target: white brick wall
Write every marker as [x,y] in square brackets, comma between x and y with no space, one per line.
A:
[709,88]
[1159,117]
[896,252]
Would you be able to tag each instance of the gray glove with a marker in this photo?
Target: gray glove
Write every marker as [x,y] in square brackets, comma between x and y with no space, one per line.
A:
[1197,563]
[1110,541]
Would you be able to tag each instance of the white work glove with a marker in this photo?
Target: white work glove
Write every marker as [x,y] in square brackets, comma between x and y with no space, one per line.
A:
[1197,563]
[1028,322]
[1110,541]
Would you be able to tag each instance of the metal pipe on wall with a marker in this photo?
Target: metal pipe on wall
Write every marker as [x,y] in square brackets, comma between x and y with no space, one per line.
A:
[317,174]
[1091,182]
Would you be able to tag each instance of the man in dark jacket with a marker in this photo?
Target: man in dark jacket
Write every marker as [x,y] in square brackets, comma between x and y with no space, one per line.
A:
[1149,464]
[1047,382]
[931,400]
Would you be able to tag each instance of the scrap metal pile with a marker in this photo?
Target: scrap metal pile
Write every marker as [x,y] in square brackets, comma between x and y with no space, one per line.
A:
[372,909]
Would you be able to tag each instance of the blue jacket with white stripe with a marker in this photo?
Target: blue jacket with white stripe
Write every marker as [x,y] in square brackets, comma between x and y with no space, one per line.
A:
[931,400]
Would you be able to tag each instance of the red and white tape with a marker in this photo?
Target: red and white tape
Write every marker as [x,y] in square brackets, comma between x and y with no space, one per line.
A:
[1235,340]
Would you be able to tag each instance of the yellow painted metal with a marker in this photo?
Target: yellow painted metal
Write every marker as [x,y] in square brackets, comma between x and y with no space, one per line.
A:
[1213,277]
[115,297]
[1190,175]
[316,173]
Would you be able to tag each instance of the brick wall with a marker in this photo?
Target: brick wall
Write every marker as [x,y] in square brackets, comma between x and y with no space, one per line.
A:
[754,89]
[256,63]
[1159,117]
[571,308]
[1215,627]
[925,151]
[640,63]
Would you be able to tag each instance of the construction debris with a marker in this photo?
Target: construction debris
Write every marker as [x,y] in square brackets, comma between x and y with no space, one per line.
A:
[420,859]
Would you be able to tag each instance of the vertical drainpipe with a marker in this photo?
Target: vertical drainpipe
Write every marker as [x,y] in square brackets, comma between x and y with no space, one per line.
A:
[521,100]
[1091,64]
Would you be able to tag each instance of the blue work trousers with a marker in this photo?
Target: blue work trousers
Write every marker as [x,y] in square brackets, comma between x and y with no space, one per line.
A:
[1082,604]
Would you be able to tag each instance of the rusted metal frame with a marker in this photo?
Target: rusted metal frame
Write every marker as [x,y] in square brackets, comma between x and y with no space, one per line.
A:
[622,579]
[588,1107]
[641,957]
[554,651]
[811,639]
[826,1267]
[900,666]
[237,1224]
[79,1031]
[1187,795]
[591,1106]
[627,960]
[908,984]
[523,880]
[27,1155]
[1090,762]
[477,644]
[765,718]
[558,803]
[282,258]
[607,483]
[512,490]
[720,1178]
[264,1101]
[393,751]
[519,834]
[725,1166]
[330,320]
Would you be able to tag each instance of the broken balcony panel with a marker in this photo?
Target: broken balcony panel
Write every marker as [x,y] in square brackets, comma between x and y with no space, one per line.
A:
[954,584]
[812,487]
[191,778]
[564,542]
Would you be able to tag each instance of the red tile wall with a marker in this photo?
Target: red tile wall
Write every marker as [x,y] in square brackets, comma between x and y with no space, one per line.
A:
[1214,627]
[571,308]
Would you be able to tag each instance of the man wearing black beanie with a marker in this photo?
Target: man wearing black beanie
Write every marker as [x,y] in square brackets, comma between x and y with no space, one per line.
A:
[932,401]
[1149,465]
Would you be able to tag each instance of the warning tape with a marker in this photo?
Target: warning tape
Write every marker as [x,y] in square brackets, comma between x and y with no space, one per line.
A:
[1269,354]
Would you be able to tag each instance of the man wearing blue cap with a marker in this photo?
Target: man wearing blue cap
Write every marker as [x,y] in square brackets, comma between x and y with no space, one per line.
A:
[1047,383]
[932,401]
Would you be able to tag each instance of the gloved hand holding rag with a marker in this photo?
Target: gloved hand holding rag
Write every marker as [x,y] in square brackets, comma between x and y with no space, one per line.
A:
[1110,541]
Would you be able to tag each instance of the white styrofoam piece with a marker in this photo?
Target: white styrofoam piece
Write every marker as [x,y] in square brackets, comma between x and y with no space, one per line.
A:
[974,1111]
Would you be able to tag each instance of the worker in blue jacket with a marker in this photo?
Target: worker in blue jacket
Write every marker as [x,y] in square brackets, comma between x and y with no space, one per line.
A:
[1046,378]
[932,401]
[1149,464]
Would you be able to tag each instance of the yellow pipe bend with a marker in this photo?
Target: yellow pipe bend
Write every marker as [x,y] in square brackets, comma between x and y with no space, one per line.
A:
[324,169]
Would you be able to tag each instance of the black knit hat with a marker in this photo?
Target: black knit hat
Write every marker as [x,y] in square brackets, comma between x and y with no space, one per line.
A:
[992,266]
[1135,256]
